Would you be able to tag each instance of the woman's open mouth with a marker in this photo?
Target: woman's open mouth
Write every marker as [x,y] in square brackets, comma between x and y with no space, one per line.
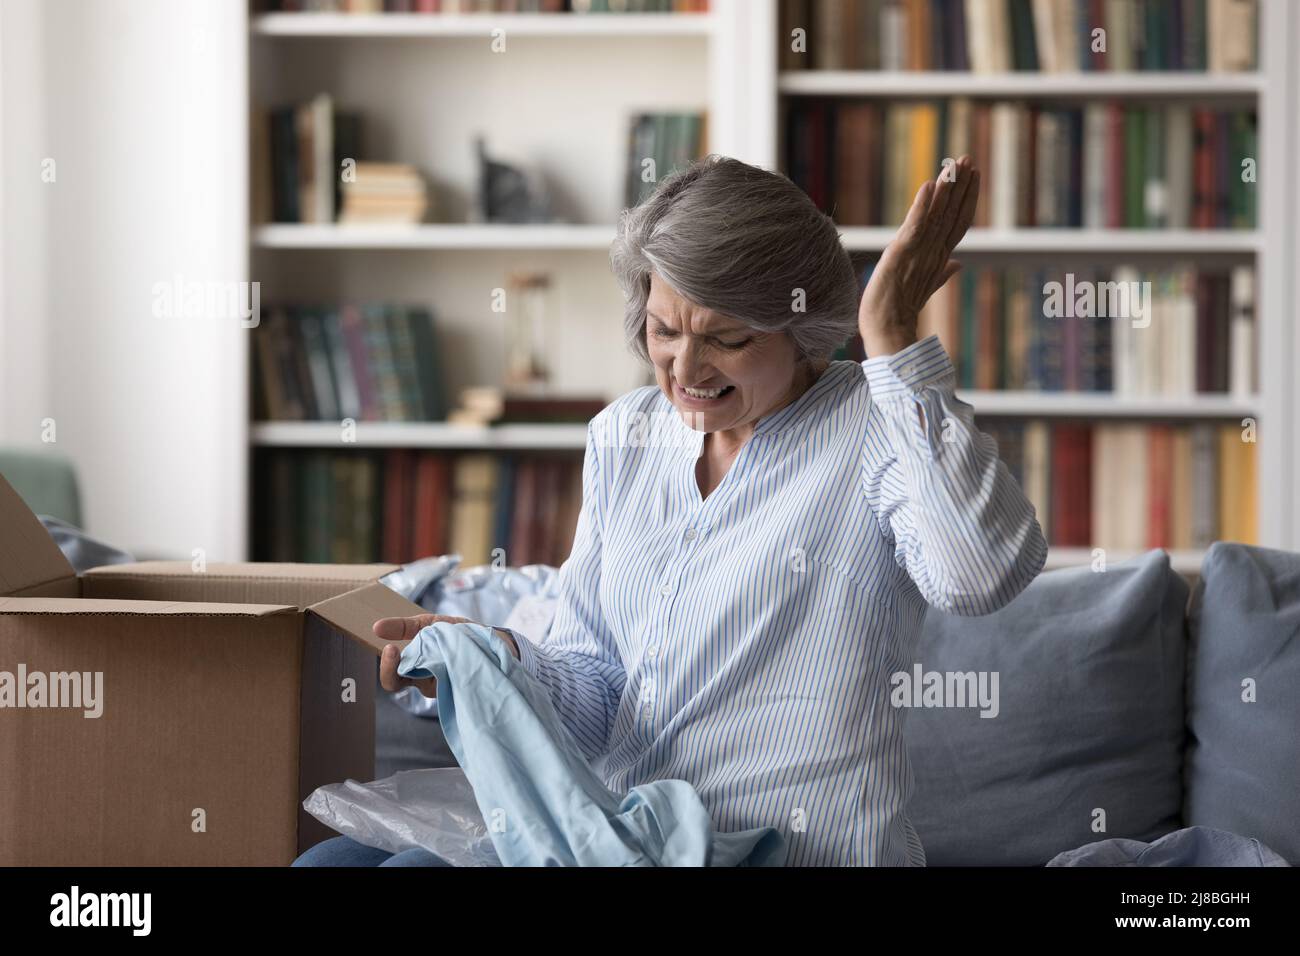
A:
[703,397]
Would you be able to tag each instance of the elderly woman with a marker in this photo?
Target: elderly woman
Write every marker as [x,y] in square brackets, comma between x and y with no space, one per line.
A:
[748,573]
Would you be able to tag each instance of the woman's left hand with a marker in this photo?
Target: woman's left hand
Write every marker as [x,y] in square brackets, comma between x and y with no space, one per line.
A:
[916,264]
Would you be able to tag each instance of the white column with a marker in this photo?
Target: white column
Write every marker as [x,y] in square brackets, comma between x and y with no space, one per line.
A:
[146,113]
[24,379]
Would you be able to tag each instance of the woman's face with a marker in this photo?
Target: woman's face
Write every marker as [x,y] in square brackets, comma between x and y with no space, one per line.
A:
[742,374]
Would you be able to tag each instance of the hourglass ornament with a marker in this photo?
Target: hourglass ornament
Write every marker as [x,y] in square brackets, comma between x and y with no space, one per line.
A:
[526,310]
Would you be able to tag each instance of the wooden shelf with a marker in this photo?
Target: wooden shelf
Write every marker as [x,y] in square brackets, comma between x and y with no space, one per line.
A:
[1182,561]
[420,435]
[574,436]
[1123,241]
[856,238]
[1023,85]
[1104,405]
[414,25]
[432,236]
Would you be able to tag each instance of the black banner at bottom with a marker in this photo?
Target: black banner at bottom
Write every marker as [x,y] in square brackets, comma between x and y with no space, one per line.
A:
[383,906]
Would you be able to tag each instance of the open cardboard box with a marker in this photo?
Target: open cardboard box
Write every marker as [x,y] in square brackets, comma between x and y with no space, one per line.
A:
[226,696]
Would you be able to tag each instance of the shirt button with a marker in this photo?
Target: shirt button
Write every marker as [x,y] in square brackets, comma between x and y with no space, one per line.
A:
[666,590]
[652,651]
[690,534]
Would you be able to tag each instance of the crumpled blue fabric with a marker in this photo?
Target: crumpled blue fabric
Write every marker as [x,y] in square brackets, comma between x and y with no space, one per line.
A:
[81,549]
[482,593]
[1191,846]
[542,803]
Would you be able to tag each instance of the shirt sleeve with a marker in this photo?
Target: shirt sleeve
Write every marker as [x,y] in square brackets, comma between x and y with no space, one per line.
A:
[962,528]
[579,661]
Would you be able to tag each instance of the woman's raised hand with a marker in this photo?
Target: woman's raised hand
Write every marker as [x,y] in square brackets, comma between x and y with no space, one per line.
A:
[917,262]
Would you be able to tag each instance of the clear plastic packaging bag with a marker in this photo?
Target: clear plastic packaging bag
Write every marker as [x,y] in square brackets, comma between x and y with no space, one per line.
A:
[431,809]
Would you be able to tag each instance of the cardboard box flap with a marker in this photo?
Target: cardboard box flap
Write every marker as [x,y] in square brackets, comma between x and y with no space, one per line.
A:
[28,555]
[258,570]
[258,583]
[49,605]
[355,613]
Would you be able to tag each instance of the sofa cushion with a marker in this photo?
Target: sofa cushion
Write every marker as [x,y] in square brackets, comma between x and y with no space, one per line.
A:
[1243,756]
[1089,725]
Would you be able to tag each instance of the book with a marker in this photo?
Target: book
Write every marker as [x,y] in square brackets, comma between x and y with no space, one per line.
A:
[659,144]
[392,193]
[298,153]
[474,491]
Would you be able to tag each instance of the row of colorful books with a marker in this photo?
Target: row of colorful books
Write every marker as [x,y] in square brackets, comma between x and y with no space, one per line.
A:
[1122,486]
[1134,486]
[487,6]
[363,362]
[399,505]
[658,144]
[1177,331]
[1102,165]
[991,36]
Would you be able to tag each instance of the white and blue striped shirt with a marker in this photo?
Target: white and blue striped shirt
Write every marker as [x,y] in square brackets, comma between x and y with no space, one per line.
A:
[743,642]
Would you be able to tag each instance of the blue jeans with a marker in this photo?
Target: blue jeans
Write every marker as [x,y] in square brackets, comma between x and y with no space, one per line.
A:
[345,851]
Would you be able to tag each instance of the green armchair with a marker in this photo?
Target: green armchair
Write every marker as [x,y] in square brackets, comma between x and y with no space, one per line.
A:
[45,481]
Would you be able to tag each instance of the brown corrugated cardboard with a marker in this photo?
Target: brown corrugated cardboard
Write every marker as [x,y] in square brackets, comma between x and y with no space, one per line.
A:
[299,584]
[224,697]
[29,557]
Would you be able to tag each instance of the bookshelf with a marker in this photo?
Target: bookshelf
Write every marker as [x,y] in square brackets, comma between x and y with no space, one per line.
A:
[1125,241]
[433,236]
[556,103]
[1186,562]
[724,61]
[423,435]
[1272,91]
[414,26]
[856,238]
[1020,85]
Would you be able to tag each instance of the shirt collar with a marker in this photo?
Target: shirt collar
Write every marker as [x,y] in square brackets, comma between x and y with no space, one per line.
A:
[805,404]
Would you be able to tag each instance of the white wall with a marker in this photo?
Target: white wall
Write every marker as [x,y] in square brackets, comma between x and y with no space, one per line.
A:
[141,104]
[24,382]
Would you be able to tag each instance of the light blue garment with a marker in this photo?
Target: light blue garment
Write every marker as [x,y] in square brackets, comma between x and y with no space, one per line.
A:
[538,796]
[1191,846]
[744,642]
[420,581]
[484,593]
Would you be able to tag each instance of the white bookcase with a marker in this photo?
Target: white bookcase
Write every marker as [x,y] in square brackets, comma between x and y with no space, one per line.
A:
[1274,91]
[558,100]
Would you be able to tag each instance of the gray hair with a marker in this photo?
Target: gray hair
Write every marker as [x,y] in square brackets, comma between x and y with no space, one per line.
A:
[742,241]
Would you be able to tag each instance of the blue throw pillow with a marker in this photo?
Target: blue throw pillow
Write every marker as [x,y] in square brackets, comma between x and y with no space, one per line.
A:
[1088,731]
[1243,690]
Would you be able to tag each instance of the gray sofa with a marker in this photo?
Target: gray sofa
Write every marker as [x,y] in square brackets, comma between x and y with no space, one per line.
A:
[1130,703]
